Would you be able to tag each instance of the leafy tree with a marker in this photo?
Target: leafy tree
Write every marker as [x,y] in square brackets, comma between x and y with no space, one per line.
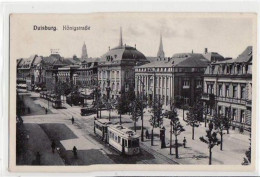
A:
[98,104]
[228,119]
[247,159]
[176,128]
[212,140]
[109,106]
[193,117]
[135,111]
[122,106]
[219,123]
[156,119]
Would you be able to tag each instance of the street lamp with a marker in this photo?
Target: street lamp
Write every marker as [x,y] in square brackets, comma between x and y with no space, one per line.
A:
[142,110]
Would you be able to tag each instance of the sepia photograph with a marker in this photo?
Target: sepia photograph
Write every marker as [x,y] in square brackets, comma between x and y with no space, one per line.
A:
[132,88]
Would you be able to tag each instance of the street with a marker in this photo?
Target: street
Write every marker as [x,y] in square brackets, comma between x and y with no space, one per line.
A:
[56,126]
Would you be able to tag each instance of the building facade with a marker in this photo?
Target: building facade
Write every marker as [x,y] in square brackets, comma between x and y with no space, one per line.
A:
[116,69]
[228,84]
[88,73]
[169,79]
[25,70]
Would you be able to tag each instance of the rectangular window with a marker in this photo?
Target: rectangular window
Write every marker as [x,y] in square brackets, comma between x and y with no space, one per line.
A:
[242,116]
[220,110]
[119,140]
[234,114]
[220,90]
[226,111]
[227,91]
[234,91]
[243,92]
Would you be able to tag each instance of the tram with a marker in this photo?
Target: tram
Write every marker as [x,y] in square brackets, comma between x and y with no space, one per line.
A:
[122,139]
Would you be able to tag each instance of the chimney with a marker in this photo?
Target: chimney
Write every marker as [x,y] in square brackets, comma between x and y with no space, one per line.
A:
[206,50]
[109,48]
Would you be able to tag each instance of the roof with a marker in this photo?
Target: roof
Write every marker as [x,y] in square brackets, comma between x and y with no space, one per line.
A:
[123,53]
[190,60]
[28,62]
[180,60]
[91,60]
[151,59]
[126,132]
[213,56]
[245,56]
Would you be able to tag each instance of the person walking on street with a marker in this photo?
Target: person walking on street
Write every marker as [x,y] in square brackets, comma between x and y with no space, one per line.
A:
[28,110]
[75,151]
[147,134]
[38,158]
[184,142]
[46,110]
[53,145]
[72,121]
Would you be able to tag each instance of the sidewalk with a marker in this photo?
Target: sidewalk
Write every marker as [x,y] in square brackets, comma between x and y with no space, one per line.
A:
[196,152]
[34,132]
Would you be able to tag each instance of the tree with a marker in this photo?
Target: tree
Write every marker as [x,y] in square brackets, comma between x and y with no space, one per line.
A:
[135,112]
[193,117]
[156,119]
[121,106]
[98,101]
[109,106]
[247,159]
[228,119]
[212,141]
[219,123]
[176,128]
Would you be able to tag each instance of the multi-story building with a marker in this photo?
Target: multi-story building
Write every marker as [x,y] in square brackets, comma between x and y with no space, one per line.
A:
[25,70]
[228,88]
[169,79]
[116,69]
[87,73]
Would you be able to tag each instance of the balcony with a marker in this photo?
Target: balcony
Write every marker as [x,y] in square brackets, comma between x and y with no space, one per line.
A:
[212,97]
[249,103]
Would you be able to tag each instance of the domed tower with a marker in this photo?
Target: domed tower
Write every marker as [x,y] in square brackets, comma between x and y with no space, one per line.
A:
[116,69]
[84,54]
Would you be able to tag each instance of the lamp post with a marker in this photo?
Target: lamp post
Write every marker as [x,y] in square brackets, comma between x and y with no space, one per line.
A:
[142,109]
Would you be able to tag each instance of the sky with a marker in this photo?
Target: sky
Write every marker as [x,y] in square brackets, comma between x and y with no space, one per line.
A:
[227,34]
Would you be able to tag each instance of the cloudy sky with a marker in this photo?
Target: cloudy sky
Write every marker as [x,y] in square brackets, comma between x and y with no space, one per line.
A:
[227,34]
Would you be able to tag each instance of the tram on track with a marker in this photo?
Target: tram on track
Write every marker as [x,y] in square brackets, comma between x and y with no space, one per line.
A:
[122,139]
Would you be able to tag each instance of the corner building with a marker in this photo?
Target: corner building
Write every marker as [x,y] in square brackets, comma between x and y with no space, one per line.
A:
[116,69]
[228,84]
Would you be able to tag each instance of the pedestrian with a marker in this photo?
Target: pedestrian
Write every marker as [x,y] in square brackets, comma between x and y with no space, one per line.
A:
[38,158]
[210,126]
[29,110]
[75,151]
[72,120]
[53,145]
[46,110]
[147,136]
[184,142]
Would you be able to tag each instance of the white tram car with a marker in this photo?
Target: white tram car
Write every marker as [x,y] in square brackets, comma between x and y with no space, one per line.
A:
[121,138]
[100,128]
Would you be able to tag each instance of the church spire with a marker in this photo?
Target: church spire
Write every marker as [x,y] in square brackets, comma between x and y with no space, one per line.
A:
[160,53]
[121,38]
[84,54]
